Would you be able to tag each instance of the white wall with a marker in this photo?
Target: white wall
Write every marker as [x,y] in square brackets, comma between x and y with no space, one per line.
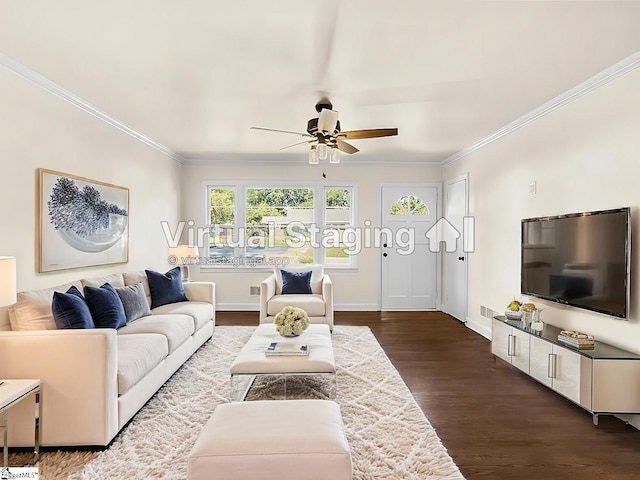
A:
[39,130]
[353,289]
[585,156]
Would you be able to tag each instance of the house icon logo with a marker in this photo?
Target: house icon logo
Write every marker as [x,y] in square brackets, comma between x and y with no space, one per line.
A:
[444,232]
[5,474]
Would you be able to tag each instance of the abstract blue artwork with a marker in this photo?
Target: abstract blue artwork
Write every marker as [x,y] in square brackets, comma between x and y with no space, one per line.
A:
[82,222]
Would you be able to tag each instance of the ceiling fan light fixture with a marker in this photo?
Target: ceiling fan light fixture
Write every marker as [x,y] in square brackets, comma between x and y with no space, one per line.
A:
[313,156]
[335,155]
[322,151]
[327,121]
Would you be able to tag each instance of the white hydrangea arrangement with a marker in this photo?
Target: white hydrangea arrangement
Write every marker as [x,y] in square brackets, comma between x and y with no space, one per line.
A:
[291,321]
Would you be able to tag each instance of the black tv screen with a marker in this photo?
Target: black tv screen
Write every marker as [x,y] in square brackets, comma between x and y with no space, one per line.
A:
[579,259]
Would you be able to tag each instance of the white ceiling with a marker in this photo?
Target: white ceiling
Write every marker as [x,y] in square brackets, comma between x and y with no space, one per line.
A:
[194,75]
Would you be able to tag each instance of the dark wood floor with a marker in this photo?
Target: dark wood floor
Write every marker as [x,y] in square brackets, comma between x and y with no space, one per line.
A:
[496,422]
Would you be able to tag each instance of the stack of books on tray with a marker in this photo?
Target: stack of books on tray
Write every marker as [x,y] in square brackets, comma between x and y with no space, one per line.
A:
[576,339]
[287,348]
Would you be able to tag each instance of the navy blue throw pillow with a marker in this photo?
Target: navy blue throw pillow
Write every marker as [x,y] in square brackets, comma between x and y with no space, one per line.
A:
[296,282]
[166,287]
[105,306]
[70,310]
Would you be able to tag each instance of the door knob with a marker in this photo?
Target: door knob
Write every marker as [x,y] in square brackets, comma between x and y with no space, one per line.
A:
[384,254]
[461,259]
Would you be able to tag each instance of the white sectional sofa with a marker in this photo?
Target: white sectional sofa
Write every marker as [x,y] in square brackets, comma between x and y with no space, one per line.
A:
[95,380]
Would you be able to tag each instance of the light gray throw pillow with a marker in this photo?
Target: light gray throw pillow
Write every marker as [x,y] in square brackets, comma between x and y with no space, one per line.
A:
[134,301]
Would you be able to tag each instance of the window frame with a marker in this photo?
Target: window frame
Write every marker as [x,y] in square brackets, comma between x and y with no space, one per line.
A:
[319,210]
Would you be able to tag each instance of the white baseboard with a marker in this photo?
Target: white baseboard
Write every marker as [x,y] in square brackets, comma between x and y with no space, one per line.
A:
[478,328]
[251,307]
[356,307]
[240,307]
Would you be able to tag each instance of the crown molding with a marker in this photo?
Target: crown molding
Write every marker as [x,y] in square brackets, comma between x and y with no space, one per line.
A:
[273,159]
[39,80]
[608,75]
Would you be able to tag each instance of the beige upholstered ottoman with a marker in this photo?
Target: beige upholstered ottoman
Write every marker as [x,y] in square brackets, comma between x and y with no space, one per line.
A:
[272,440]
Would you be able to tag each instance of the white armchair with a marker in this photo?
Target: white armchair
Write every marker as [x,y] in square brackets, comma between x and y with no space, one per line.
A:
[318,304]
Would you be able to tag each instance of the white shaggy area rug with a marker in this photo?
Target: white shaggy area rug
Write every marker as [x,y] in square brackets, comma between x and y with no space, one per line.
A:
[389,436]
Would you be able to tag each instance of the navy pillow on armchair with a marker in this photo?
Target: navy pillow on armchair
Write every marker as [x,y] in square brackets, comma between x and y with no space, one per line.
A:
[166,288]
[296,282]
[70,310]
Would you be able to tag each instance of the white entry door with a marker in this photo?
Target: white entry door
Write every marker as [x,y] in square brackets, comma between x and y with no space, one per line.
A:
[454,263]
[408,266]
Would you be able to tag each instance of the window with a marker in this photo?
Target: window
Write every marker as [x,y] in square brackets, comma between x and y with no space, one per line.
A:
[278,223]
[255,225]
[409,205]
[337,215]
[222,218]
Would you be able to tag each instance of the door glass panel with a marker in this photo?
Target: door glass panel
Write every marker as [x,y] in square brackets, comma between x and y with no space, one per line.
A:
[409,205]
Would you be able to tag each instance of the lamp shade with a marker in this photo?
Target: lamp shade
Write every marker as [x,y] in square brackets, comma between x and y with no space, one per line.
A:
[7,281]
[184,254]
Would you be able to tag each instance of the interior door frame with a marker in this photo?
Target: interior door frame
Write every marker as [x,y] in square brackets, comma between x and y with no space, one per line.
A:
[438,186]
[446,185]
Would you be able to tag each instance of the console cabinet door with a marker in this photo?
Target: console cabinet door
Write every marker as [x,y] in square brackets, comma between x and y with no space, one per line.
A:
[500,338]
[520,351]
[567,373]
[539,351]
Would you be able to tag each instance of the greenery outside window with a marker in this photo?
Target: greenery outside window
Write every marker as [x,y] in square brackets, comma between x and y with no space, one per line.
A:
[254,225]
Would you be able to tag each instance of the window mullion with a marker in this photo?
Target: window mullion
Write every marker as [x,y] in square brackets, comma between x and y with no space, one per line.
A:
[240,230]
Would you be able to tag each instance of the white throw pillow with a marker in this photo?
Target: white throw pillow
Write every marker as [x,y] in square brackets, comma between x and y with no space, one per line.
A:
[317,272]
[32,310]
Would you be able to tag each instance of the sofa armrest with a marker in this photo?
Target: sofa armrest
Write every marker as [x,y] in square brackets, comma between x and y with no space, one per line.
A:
[267,291]
[78,374]
[201,292]
[327,295]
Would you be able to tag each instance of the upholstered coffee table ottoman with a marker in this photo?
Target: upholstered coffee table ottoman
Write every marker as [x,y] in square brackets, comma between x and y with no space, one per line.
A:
[252,361]
[272,440]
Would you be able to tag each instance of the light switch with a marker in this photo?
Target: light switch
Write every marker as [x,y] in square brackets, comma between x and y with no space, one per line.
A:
[532,187]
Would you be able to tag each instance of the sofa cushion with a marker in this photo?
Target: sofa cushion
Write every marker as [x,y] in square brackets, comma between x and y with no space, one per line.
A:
[177,328]
[105,306]
[134,301]
[312,304]
[115,280]
[166,288]
[131,278]
[317,273]
[32,310]
[70,310]
[201,312]
[137,356]
[295,282]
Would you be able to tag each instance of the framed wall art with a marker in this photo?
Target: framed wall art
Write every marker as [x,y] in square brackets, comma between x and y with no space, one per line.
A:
[81,222]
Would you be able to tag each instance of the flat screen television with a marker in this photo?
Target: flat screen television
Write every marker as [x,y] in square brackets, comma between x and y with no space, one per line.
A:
[579,259]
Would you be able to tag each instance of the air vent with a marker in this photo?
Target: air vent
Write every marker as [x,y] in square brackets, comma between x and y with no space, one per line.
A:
[254,291]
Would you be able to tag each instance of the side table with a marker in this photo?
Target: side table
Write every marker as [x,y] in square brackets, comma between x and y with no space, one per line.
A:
[13,392]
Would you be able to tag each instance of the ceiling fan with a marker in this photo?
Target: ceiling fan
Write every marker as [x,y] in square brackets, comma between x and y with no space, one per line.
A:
[327,138]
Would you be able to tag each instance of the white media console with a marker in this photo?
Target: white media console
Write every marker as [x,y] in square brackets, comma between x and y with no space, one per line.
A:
[604,380]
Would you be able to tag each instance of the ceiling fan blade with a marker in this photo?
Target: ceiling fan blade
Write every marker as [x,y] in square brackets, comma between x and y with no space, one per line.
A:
[345,147]
[282,131]
[299,143]
[371,133]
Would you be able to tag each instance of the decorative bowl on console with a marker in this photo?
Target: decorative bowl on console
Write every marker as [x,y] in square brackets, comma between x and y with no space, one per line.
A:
[511,315]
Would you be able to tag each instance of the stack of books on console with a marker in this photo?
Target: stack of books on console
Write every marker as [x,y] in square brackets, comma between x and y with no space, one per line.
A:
[287,348]
[576,339]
